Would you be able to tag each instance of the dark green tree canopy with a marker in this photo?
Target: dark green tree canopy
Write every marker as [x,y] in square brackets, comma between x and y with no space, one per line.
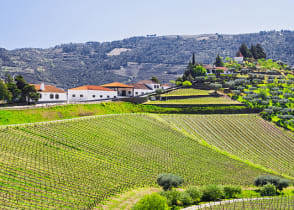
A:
[154,79]
[219,61]
[245,51]
[168,181]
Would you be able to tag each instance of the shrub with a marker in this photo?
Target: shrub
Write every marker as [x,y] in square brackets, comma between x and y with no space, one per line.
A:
[268,190]
[168,181]
[283,183]
[195,194]
[187,84]
[265,179]
[231,191]
[172,197]
[212,193]
[185,199]
[151,202]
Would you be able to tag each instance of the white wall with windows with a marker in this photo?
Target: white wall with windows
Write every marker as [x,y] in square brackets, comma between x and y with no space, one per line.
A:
[52,97]
[138,92]
[90,95]
[154,86]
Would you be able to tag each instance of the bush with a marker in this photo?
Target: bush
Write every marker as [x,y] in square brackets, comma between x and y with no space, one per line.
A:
[195,194]
[168,181]
[265,179]
[185,199]
[283,183]
[232,191]
[172,197]
[187,84]
[151,202]
[212,193]
[268,190]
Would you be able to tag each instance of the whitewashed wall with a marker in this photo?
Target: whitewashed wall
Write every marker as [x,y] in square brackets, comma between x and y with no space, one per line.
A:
[57,97]
[90,95]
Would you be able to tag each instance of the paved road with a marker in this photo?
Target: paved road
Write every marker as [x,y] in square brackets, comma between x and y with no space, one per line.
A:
[222,202]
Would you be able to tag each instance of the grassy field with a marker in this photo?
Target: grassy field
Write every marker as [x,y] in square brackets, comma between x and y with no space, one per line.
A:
[246,136]
[76,164]
[201,100]
[188,92]
[285,203]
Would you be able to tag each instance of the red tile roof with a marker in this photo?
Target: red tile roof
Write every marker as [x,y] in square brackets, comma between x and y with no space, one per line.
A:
[222,68]
[116,85]
[48,89]
[91,87]
[140,86]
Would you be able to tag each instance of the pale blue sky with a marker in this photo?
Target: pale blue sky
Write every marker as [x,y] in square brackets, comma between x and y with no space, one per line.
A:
[46,23]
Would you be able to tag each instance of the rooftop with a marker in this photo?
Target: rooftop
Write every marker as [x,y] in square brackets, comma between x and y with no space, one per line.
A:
[48,89]
[91,87]
[140,86]
[117,85]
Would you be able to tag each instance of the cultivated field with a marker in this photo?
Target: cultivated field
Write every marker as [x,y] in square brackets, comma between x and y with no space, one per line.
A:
[246,136]
[188,92]
[202,100]
[76,164]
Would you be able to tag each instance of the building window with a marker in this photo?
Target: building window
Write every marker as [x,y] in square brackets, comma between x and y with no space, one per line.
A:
[40,95]
[114,96]
[129,92]
[136,93]
[93,96]
[73,95]
[107,96]
[56,96]
[142,93]
[101,96]
[51,96]
[81,96]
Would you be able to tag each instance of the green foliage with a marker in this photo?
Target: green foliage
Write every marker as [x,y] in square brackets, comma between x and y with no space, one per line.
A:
[151,202]
[154,79]
[212,193]
[216,86]
[187,84]
[245,51]
[185,199]
[278,182]
[4,92]
[168,181]
[179,83]
[231,191]
[283,183]
[172,197]
[219,61]
[268,190]
[195,194]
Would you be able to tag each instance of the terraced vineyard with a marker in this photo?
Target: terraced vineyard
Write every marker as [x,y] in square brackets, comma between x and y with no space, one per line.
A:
[188,92]
[246,136]
[202,100]
[75,164]
[285,203]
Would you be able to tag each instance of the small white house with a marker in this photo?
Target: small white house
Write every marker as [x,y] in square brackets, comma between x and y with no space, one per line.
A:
[141,89]
[214,70]
[239,57]
[50,93]
[90,93]
[150,84]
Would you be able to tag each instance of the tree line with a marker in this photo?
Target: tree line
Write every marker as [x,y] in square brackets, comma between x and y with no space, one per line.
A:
[17,91]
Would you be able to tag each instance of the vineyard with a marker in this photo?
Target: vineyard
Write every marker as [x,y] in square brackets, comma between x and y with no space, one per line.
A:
[76,164]
[285,203]
[246,136]
[188,92]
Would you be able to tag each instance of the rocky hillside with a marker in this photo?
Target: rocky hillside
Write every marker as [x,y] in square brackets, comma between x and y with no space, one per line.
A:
[135,58]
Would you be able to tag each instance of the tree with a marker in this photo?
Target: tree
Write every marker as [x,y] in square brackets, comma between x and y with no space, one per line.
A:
[151,202]
[219,61]
[245,51]
[260,52]
[154,79]
[198,71]
[193,59]
[4,92]
[216,87]
[30,94]
[253,51]
[187,84]
[15,92]
[168,181]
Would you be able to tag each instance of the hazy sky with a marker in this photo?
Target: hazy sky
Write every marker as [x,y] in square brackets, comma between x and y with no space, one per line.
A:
[45,23]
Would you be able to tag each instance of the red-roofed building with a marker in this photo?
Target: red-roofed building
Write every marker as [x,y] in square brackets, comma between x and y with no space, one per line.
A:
[215,70]
[121,89]
[50,93]
[90,93]
[239,57]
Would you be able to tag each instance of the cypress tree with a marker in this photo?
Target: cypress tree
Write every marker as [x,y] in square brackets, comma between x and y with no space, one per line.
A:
[219,61]
[245,51]
[253,51]
[260,52]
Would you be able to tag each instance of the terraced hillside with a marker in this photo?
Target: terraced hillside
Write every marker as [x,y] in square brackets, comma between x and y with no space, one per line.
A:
[76,164]
[246,136]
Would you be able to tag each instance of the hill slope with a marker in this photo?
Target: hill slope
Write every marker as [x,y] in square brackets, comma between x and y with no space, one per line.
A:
[76,164]
[136,58]
[246,136]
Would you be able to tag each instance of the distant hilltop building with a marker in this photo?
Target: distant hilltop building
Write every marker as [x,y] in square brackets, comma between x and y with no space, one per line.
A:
[151,35]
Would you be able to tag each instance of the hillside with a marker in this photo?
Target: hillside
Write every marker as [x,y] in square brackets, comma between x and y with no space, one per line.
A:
[133,59]
[75,164]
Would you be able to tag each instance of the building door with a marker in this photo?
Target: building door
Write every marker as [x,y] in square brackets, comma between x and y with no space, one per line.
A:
[123,93]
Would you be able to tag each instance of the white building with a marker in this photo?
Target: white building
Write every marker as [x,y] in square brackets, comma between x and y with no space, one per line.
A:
[90,93]
[121,89]
[215,70]
[141,89]
[49,93]
[239,57]
[150,84]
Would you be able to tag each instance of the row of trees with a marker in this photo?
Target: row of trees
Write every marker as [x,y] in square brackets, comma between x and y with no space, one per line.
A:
[255,51]
[17,91]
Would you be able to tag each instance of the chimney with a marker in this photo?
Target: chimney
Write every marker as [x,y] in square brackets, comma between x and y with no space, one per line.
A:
[42,86]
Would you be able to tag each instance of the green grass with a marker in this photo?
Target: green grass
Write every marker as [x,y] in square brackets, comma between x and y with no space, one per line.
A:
[201,100]
[76,164]
[248,137]
[285,203]
[188,92]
